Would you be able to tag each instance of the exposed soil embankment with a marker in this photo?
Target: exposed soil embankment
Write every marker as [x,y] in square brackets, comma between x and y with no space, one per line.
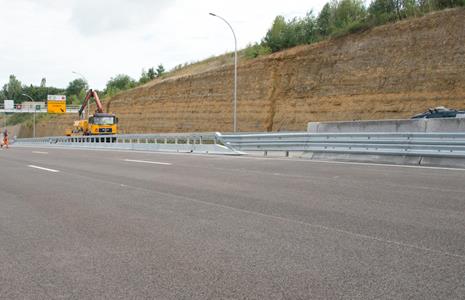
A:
[53,125]
[391,71]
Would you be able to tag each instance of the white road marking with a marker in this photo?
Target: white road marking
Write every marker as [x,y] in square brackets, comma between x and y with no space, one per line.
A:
[303,160]
[300,160]
[276,217]
[386,165]
[44,169]
[285,219]
[148,162]
[39,152]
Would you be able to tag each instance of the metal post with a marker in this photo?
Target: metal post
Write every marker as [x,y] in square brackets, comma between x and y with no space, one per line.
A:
[34,123]
[34,116]
[87,82]
[235,71]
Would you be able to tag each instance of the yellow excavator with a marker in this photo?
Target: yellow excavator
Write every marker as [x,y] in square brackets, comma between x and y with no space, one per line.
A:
[100,123]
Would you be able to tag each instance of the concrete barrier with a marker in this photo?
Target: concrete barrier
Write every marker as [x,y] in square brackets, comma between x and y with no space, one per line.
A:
[365,158]
[425,161]
[445,125]
[412,125]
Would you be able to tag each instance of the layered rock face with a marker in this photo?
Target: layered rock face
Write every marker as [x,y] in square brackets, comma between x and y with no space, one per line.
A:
[393,71]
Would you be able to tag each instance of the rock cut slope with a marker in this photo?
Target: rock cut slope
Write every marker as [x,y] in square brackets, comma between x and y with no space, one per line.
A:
[392,71]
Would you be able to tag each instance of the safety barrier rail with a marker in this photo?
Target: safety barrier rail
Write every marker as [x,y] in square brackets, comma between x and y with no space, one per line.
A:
[419,144]
[173,142]
[18,108]
[405,144]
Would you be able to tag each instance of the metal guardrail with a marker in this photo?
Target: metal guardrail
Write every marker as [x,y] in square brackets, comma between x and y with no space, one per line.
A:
[405,144]
[171,142]
[27,109]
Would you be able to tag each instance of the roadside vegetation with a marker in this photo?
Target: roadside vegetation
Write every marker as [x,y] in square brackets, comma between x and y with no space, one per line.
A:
[18,118]
[341,17]
[25,119]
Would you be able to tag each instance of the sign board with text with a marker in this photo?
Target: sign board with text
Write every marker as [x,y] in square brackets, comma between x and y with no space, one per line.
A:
[9,105]
[56,104]
[33,105]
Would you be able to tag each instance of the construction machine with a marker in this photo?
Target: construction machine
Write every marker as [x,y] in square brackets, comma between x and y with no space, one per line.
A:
[100,123]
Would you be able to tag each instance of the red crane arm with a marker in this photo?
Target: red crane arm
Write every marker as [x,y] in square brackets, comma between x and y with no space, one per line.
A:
[97,100]
[91,94]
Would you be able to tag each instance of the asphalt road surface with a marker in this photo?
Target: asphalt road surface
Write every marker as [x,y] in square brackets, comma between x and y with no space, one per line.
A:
[82,224]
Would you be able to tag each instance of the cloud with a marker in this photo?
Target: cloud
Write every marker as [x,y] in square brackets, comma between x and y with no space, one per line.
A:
[96,17]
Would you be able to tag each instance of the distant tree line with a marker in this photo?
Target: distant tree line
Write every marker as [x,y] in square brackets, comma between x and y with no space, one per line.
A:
[340,17]
[15,90]
[76,90]
[123,82]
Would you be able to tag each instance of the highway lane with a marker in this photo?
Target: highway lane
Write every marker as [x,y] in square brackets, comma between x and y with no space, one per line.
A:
[112,224]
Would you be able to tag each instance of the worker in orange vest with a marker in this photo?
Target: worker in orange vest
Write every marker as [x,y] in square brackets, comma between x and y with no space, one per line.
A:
[5,139]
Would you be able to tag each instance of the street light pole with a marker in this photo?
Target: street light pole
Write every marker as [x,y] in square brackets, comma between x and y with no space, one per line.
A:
[82,77]
[235,70]
[34,116]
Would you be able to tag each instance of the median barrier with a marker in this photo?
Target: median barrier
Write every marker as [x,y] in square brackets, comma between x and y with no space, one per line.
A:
[410,125]
[445,125]
[408,148]
[411,148]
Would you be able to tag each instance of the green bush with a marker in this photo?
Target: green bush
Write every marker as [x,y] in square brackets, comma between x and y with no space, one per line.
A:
[340,17]
[256,50]
[15,119]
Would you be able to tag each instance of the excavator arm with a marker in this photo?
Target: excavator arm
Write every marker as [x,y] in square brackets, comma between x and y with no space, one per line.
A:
[91,94]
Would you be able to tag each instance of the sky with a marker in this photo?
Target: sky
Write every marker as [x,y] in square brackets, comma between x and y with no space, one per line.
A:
[100,39]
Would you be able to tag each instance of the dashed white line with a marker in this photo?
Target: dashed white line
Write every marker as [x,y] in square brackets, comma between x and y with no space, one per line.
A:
[148,162]
[39,152]
[44,169]
[299,160]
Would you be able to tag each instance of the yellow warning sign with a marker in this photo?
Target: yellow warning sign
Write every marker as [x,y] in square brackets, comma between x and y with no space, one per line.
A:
[56,104]
[56,107]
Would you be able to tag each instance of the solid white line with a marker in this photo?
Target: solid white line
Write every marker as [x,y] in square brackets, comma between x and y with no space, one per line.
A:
[285,219]
[351,163]
[39,152]
[317,226]
[148,162]
[44,169]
